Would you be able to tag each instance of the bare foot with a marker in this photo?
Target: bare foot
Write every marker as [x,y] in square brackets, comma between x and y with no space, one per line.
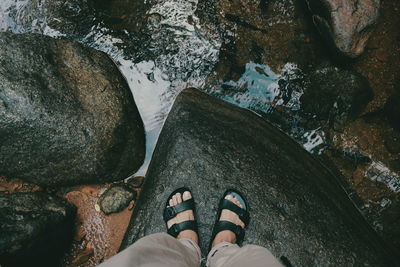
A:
[227,215]
[183,216]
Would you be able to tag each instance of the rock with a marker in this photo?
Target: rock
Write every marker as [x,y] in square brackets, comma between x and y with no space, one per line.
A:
[392,111]
[392,143]
[75,18]
[35,229]
[333,93]
[252,31]
[135,182]
[116,198]
[345,24]
[298,208]
[82,257]
[397,85]
[122,14]
[67,115]
[395,165]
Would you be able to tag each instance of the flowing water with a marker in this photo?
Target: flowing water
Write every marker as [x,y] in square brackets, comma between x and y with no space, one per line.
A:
[175,53]
[184,61]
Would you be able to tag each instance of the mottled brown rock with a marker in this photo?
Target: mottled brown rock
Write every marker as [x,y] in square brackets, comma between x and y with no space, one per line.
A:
[347,24]
[392,111]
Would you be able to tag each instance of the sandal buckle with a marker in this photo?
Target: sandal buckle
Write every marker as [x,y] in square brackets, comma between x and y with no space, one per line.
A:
[174,230]
[171,212]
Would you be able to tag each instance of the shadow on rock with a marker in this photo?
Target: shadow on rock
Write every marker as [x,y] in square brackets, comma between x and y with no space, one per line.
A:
[35,229]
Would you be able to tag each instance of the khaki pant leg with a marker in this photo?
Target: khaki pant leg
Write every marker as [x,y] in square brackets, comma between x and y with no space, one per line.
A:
[231,255]
[157,250]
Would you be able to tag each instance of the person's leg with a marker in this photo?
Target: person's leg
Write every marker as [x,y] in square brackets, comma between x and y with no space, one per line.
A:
[162,249]
[156,250]
[225,252]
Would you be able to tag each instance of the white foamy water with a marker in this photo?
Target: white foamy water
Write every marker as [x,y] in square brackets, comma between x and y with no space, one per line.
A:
[378,172]
[258,88]
[183,61]
[314,140]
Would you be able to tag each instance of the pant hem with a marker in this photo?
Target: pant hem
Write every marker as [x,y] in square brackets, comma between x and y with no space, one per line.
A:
[215,250]
[189,242]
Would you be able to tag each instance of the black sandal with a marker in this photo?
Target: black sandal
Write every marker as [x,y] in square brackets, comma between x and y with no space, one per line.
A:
[171,212]
[243,214]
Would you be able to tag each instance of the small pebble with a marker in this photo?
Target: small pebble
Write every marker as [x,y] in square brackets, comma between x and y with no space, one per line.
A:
[116,198]
[97,207]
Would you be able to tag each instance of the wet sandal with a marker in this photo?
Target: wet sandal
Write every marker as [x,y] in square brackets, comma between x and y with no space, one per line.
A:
[243,214]
[171,212]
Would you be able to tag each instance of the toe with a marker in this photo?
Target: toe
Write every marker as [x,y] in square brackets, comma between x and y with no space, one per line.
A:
[178,198]
[186,195]
[234,200]
[229,197]
[174,201]
[237,202]
[171,203]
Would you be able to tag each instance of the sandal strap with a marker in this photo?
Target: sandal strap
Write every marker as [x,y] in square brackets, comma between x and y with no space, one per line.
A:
[227,225]
[171,212]
[176,228]
[242,213]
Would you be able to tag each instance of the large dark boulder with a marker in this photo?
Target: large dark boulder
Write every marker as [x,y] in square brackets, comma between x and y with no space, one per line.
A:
[345,24]
[35,229]
[298,208]
[67,115]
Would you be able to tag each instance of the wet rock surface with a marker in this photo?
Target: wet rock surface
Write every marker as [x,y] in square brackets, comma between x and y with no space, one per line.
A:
[122,14]
[392,111]
[347,24]
[97,236]
[298,208]
[392,143]
[116,198]
[67,115]
[35,229]
[331,93]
